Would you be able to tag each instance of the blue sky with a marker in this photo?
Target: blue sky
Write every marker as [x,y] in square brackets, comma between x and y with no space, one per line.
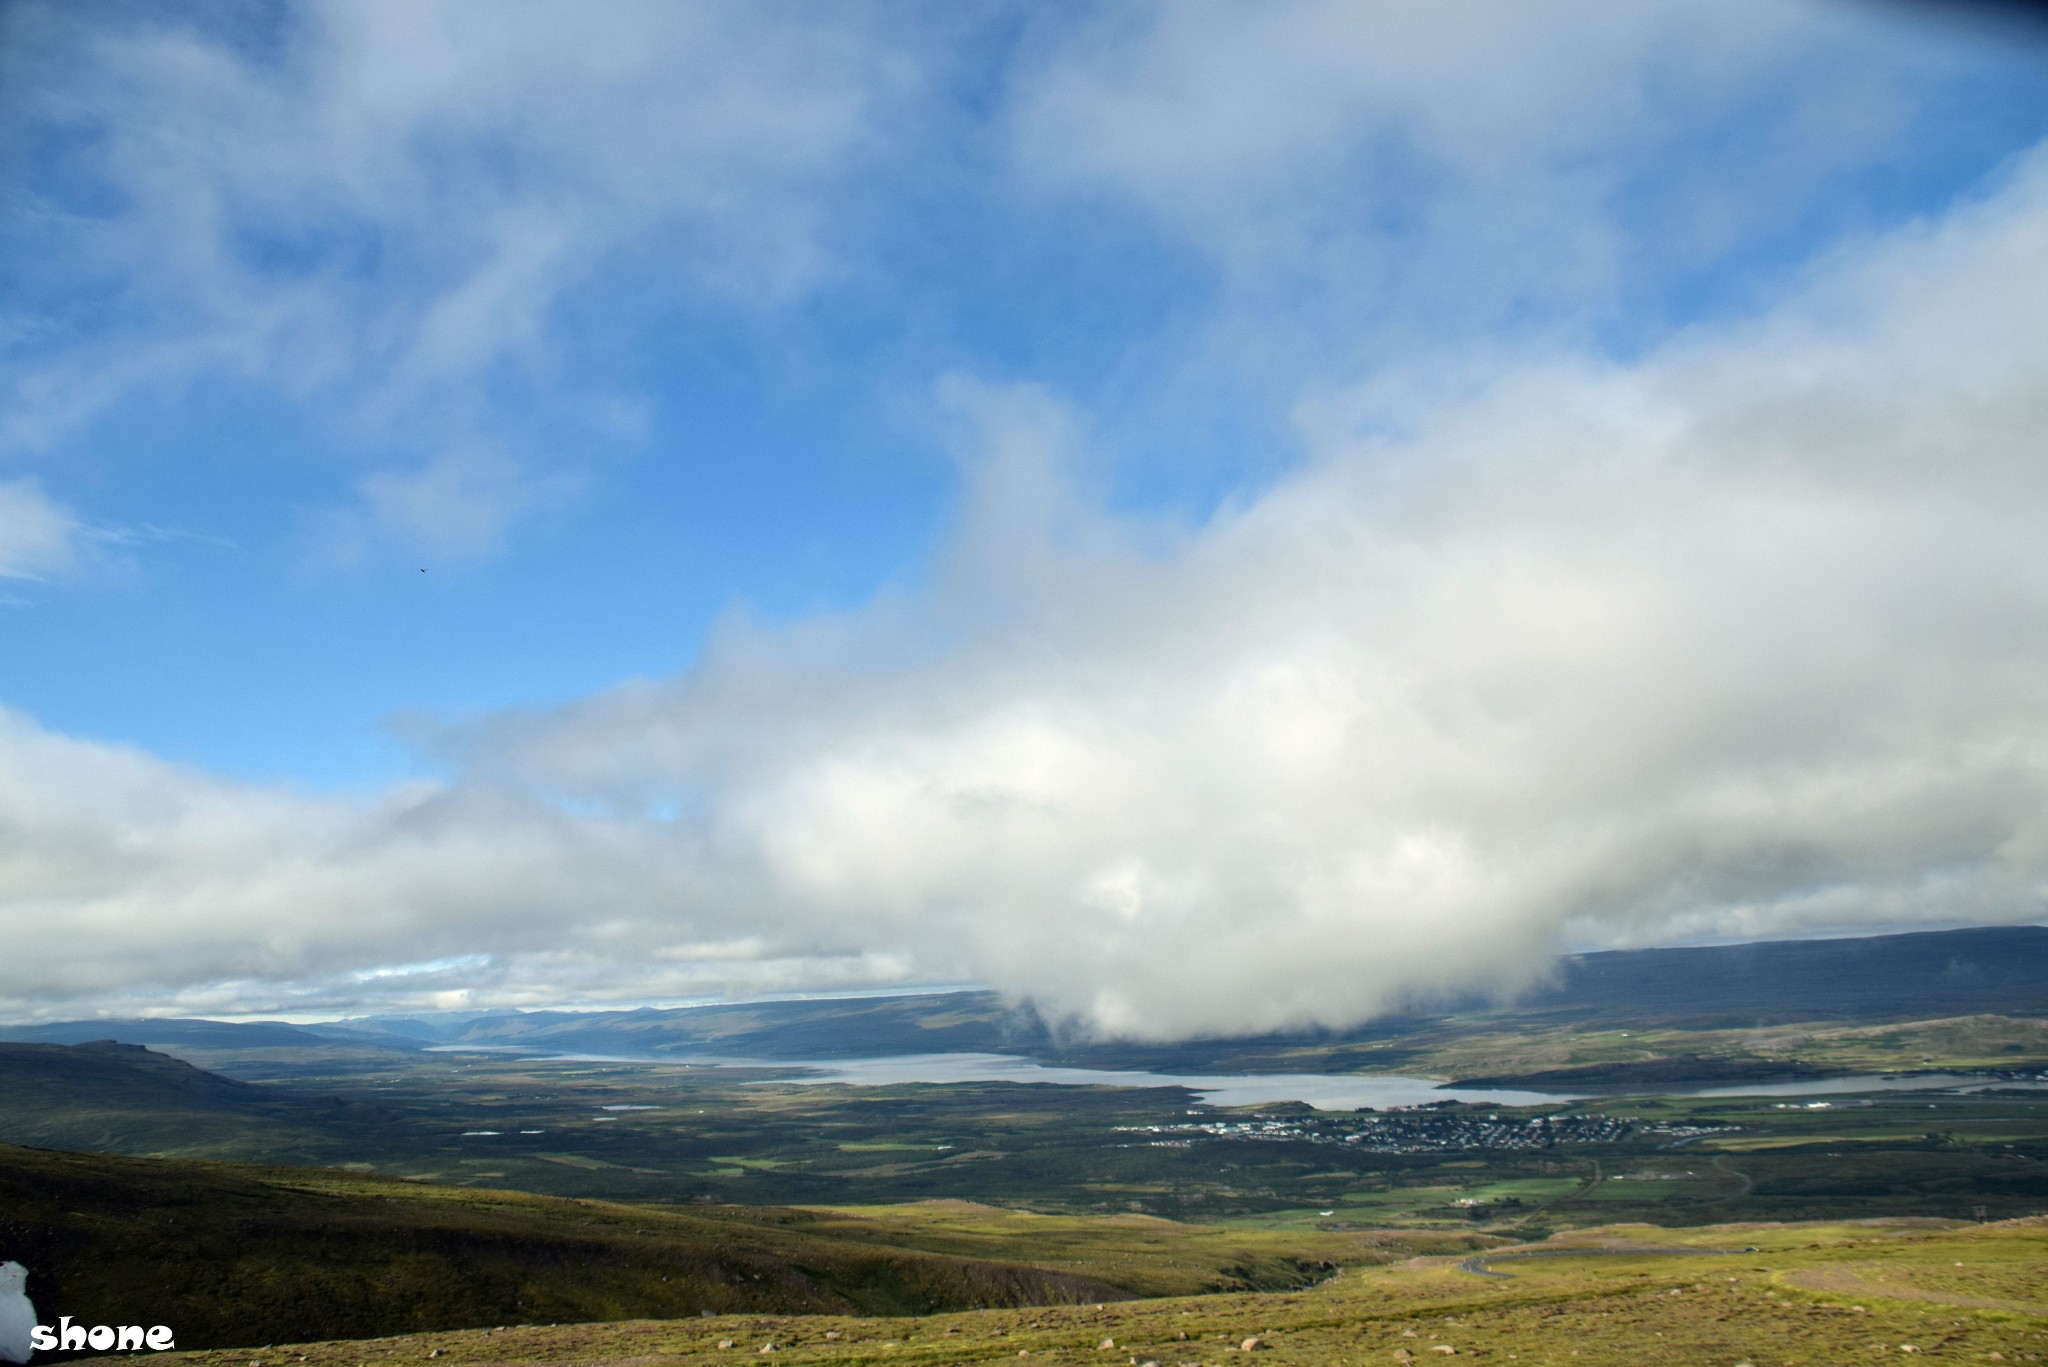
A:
[935,491]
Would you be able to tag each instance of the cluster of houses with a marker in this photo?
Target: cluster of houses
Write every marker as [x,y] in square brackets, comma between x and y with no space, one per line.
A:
[1419,1131]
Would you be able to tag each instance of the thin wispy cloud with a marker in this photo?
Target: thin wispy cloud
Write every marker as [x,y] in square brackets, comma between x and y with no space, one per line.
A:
[411,222]
[39,538]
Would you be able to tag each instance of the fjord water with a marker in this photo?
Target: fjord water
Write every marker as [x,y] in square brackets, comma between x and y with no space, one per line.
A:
[1324,1091]
[1331,1091]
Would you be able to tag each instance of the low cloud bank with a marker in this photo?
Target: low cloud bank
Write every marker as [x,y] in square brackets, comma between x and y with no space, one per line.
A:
[1748,638]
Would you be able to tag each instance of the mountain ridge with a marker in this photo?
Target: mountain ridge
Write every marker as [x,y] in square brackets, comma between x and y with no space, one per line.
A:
[1913,975]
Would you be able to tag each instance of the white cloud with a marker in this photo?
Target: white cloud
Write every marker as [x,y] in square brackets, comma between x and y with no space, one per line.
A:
[1750,637]
[195,889]
[426,236]
[457,507]
[1363,182]
[378,213]
[39,538]
[1206,108]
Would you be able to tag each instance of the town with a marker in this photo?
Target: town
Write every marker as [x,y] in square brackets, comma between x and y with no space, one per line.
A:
[1425,1130]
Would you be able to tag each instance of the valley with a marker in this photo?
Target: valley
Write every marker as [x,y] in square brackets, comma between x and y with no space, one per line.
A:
[348,1185]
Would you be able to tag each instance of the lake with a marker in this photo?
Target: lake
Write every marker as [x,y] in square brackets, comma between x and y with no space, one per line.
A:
[1324,1091]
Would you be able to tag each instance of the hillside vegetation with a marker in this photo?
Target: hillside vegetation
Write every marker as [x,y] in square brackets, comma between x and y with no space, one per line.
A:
[1796,1295]
[127,1099]
[232,1255]
[235,1255]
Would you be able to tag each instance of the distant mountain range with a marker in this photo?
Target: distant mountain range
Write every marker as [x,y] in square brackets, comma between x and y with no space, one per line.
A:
[2000,969]
[1992,970]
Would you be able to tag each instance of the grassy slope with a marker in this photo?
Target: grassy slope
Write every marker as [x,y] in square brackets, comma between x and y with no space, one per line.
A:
[1504,1044]
[1960,1043]
[238,1255]
[1142,1253]
[231,1254]
[1779,1294]
[126,1099]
